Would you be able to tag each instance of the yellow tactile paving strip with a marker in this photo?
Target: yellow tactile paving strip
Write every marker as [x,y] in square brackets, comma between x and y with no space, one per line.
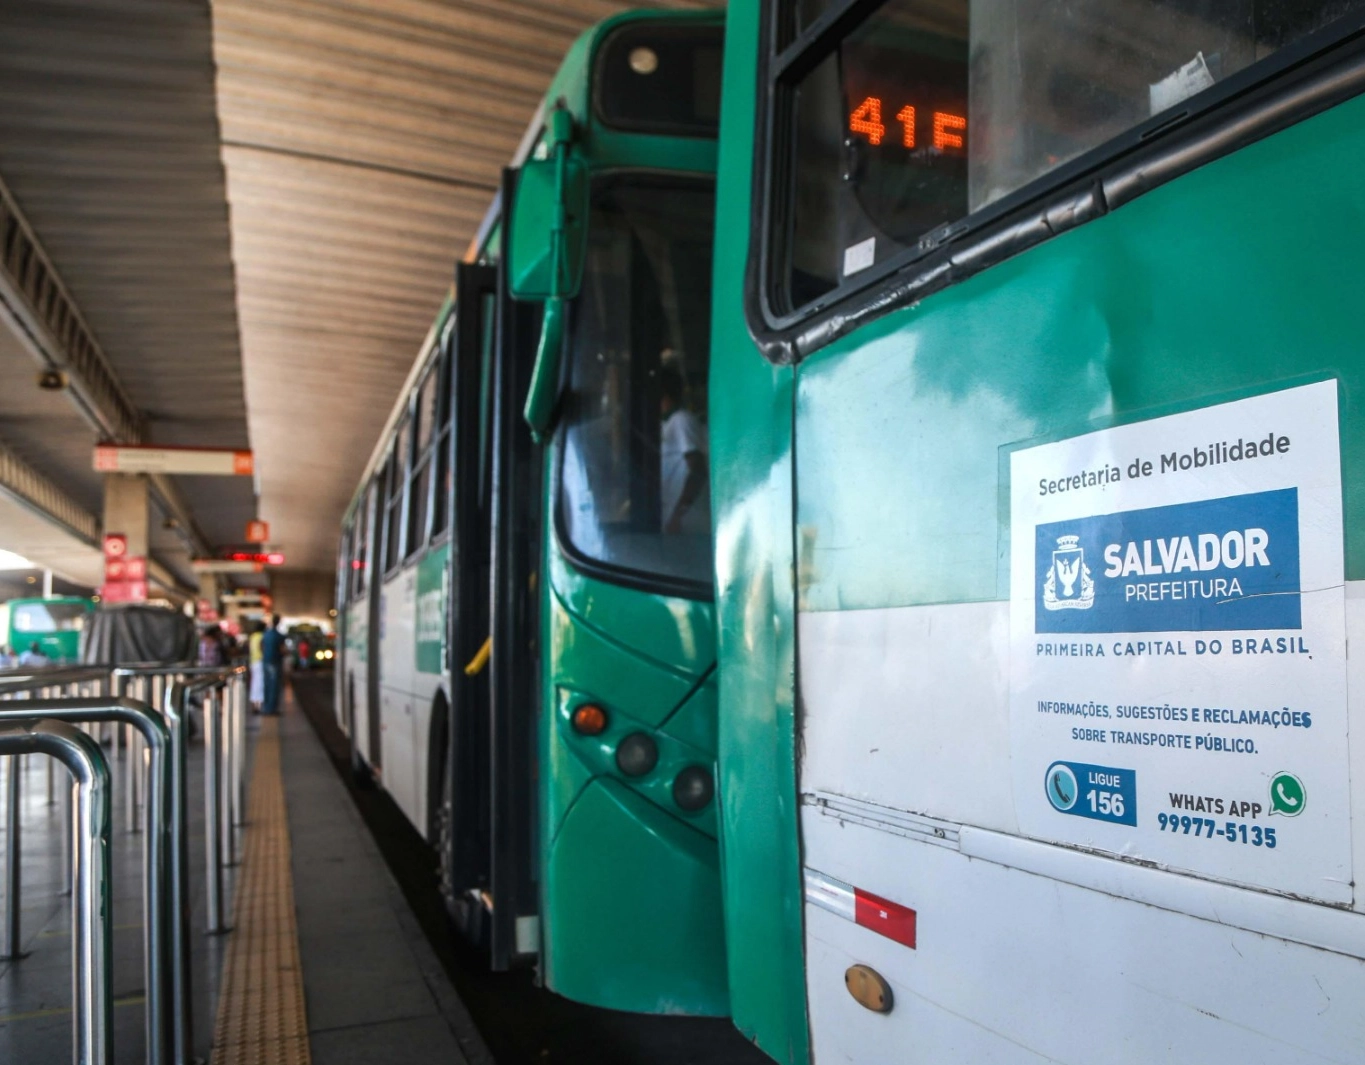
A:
[261,1017]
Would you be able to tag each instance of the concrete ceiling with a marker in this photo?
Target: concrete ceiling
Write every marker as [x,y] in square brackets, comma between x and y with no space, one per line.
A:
[109,145]
[363,142]
[258,256]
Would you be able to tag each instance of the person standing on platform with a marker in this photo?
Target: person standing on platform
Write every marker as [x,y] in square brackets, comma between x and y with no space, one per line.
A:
[257,668]
[210,647]
[272,661]
[34,656]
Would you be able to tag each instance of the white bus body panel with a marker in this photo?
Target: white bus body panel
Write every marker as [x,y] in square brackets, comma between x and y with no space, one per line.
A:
[397,648]
[407,696]
[355,674]
[1029,951]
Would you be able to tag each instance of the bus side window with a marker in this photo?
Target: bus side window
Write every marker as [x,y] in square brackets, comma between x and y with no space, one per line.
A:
[360,560]
[440,506]
[393,506]
[420,482]
[344,580]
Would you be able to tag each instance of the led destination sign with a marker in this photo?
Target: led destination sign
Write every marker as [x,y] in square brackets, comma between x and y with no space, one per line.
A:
[947,130]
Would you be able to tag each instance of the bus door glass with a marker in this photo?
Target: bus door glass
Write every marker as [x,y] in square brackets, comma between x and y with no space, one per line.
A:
[466,789]
[634,496]
[515,531]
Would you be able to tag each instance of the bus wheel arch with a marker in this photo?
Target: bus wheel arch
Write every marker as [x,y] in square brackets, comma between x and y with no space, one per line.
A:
[438,738]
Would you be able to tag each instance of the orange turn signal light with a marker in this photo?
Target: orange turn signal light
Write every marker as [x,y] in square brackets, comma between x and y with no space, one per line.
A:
[590,720]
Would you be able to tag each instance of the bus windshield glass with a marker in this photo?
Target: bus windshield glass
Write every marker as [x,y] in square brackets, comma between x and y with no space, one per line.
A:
[929,110]
[48,617]
[634,490]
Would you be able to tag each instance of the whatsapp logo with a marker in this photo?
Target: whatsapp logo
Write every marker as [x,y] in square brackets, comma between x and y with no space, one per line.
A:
[1287,795]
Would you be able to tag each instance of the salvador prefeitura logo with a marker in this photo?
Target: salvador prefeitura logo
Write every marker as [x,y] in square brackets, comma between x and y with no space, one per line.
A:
[1068,585]
[1210,564]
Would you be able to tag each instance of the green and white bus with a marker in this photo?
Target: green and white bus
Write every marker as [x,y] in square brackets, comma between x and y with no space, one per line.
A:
[54,624]
[527,654]
[1038,474]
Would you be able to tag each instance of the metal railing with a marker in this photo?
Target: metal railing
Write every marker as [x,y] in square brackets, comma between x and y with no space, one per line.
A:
[158,741]
[155,870]
[175,706]
[91,932]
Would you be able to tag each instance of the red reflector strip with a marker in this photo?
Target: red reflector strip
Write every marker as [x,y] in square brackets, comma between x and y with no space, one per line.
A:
[882,916]
[891,920]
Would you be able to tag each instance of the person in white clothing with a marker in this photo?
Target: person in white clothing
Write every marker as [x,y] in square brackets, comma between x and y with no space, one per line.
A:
[684,498]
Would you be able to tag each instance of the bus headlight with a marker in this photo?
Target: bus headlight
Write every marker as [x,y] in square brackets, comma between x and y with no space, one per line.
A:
[693,788]
[637,754]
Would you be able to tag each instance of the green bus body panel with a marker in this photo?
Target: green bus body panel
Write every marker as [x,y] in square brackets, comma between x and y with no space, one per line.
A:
[750,426]
[630,888]
[1227,282]
[433,597]
[650,896]
[589,660]
[687,740]
[680,634]
[611,837]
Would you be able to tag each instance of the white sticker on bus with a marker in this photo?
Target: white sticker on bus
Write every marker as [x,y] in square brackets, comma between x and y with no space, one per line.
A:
[860,256]
[1178,650]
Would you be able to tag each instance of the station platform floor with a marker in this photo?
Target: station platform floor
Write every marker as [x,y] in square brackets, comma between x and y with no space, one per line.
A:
[325,962]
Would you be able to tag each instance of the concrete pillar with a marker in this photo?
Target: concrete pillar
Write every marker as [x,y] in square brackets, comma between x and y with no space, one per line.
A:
[126,510]
[208,589]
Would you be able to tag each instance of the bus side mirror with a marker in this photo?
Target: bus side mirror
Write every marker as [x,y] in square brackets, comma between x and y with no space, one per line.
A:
[545,256]
[539,265]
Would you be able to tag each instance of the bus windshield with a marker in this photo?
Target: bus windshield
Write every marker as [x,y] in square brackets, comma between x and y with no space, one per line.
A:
[48,617]
[634,492]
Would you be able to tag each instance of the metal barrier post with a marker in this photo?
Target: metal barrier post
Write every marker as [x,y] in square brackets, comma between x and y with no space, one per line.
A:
[232,735]
[234,755]
[176,707]
[243,709]
[182,1005]
[213,812]
[13,946]
[68,870]
[224,707]
[130,794]
[143,696]
[155,872]
[91,933]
